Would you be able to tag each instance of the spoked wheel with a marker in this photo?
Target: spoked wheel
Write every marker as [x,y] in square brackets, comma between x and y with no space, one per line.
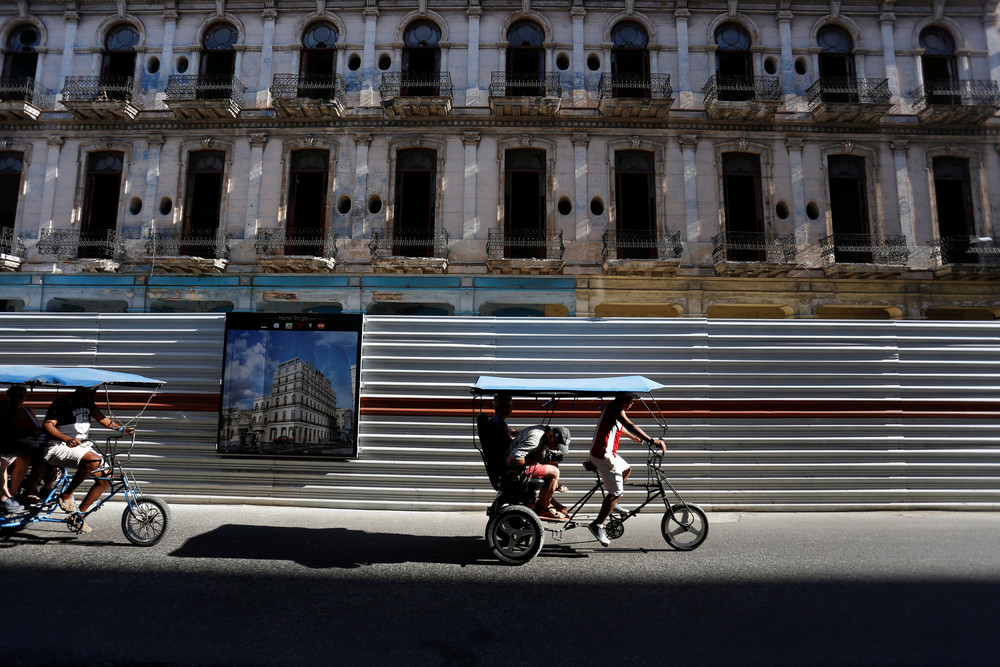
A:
[614,528]
[146,522]
[515,535]
[684,527]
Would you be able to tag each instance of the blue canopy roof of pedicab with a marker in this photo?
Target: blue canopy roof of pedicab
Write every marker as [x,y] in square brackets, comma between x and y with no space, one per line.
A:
[71,377]
[605,386]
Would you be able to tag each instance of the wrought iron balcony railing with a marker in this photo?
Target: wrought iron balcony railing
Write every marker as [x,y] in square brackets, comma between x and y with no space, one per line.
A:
[72,244]
[310,86]
[208,243]
[11,243]
[524,244]
[205,87]
[300,242]
[965,250]
[18,90]
[390,243]
[644,86]
[975,93]
[865,249]
[753,247]
[415,84]
[841,90]
[620,244]
[525,84]
[100,88]
[742,88]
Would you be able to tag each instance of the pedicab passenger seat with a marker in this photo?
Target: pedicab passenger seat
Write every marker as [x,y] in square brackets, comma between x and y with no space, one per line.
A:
[494,449]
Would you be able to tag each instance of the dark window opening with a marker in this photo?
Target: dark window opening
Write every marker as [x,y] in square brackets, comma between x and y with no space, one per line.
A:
[836,61]
[421,58]
[307,202]
[11,165]
[203,199]
[525,59]
[849,208]
[102,190]
[524,204]
[630,60]
[744,206]
[319,61]
[953,199]
[118,61]
[733,63]
[635,201]
[938,65]
[19,62]
[413,224]
[218,62]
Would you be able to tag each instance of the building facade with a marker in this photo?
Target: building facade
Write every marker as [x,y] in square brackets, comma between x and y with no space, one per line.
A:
[479,157]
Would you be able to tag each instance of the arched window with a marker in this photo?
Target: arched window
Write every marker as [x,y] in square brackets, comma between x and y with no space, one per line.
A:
[118,60]
[525,58]
[733,63]
[421,58]
[630,60]
[938,65]
[319,60]
[101,193]
[836,64]
[20,59]
[218,61]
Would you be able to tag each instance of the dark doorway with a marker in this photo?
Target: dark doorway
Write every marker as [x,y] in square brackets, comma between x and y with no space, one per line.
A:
[836,65]
[733,63]
[421,59]
[953,199]
[524,204]
[413,226]
[11,165]
[630,60]
[849,209]
[118,62]
[306,221]
[203,201]
[525,59]
[19,63]
[744,207]
[101,194]
[319,62]
[218,62]
[635,201]
[938,66]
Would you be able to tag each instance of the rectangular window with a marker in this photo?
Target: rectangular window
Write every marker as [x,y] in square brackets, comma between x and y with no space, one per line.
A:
[849,209]
[101,194]
[307,184]
[524,204]
[11,165]
[635,202]
[413,228]
[744,207]
[953,200]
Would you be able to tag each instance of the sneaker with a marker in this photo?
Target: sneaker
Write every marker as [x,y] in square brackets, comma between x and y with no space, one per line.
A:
[621,511]
[68,505]
[10,505]
[598,531]
[77,524]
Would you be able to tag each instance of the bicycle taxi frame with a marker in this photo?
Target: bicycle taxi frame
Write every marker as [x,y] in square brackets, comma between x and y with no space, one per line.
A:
[514,533]
[146,518]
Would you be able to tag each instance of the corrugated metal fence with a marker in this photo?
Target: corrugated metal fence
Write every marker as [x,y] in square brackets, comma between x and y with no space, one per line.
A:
[790,414]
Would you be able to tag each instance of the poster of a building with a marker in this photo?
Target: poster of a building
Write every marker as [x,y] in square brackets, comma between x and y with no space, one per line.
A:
[290,385]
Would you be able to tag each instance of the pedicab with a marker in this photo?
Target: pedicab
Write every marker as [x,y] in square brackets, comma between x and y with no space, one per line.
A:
[514,532]
[146,518]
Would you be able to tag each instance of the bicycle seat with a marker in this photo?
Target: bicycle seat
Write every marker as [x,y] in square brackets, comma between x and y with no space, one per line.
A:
[589,465]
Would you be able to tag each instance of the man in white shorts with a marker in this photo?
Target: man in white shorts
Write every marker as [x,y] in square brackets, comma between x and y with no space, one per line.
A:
[612,468]
[67,425]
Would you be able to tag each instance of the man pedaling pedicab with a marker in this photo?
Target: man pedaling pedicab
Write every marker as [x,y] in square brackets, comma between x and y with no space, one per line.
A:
[67,425]
[604,455]
[536,451]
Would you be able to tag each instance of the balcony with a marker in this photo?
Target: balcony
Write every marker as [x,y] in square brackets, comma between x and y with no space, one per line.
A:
[416,93]
[310,96]
[848,100]
[642,253]
[99,251]
[867,256]
[301,251]
[971,258]
[634,95]
[524,252]
[194,251]
[19,100]
[409,253]
[525,94]
[746,98]
[956,102]
[753,255]
[205,97]
[103,98]
[12,250]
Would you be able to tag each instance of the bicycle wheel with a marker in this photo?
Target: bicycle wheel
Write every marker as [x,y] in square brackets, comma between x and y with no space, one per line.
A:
[684,527]
[146,522]
[614,528]
[515,535]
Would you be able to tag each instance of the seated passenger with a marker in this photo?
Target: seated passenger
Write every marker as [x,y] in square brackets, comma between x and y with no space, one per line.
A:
[67,423]
[533,452]
[20,445]
[502,408]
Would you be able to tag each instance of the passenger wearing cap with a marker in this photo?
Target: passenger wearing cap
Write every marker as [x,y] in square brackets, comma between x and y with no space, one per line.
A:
[535,451]
[613,469]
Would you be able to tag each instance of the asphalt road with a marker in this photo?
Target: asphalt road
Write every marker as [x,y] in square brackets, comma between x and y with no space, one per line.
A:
[262,586]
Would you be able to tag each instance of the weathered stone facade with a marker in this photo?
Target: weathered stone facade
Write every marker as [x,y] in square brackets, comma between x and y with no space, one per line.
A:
[568,157]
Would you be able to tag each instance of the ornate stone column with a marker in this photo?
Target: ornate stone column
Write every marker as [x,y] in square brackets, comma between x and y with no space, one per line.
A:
[580,143]
[470,220]
[903,192]
[887,19]
[257,142]
[688,143]
[167,54]
[266,57]
[154,148]
[71,19]
[472,94]
[51,177]
[684,94]
[577,15]
[362,141]
[368,58]
[787,64]
[799,220]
